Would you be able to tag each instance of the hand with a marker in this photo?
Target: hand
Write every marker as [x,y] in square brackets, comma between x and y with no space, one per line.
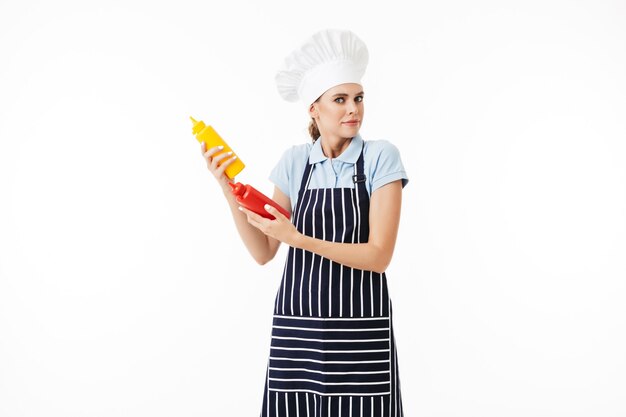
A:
[280,228]
[217,168]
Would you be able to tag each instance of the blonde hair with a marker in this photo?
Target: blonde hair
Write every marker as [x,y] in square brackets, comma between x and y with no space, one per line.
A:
[314,130]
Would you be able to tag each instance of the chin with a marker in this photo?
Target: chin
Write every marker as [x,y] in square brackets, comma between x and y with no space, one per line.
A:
[350,131]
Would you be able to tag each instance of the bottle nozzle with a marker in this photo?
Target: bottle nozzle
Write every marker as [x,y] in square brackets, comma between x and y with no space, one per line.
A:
[237,189]
[197,125]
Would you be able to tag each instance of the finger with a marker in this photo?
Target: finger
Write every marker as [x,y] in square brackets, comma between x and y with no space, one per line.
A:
[252,215]
[257,225]
[274,212]
[253,218]
[215,162]
[213,150]
[223,157]
[247,212]
[225,165]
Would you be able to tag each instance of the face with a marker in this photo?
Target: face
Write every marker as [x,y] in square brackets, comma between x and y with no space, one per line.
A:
[339,111]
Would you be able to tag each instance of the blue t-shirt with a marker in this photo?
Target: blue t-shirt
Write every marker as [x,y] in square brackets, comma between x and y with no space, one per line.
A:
[381,165]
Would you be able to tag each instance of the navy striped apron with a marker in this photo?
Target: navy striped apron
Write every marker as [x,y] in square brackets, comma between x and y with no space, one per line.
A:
[333,350]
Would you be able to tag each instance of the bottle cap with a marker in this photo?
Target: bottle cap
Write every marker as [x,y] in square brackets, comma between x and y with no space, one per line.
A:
[237,188]
[197,126]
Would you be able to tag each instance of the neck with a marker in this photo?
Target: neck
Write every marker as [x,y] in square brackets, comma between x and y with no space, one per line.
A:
[334,146]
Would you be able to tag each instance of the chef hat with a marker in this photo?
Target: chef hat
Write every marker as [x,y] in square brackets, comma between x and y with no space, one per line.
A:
[329,58]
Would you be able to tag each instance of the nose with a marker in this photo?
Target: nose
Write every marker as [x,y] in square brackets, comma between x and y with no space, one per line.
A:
[353,108]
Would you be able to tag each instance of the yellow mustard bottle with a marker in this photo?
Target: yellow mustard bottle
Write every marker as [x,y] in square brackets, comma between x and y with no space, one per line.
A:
[209,136]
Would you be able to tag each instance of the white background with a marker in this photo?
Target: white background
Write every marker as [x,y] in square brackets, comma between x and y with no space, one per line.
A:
[125,290]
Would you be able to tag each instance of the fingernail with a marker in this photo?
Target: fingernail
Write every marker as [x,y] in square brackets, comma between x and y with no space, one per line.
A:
[229,153]
[220,147]
[267,206]
[240,208]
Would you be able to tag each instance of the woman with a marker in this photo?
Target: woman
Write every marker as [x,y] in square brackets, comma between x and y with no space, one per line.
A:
[333,350]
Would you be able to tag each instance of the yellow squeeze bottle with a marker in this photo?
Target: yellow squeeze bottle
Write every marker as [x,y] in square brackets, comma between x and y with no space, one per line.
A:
[209,136]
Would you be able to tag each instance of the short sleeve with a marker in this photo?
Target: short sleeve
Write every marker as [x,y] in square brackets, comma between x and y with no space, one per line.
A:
[280,174]
[387,167]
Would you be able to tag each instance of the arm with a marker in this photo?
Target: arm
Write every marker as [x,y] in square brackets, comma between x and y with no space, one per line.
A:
[262,247]
[375,255]
[285,202]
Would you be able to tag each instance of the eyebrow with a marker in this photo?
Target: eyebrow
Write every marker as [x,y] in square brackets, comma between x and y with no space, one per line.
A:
[344,94]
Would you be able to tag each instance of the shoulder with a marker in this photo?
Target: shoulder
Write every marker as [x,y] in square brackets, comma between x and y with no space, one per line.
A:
[293,157]
[374,150]
[296,154]
[383,162]
[286,171]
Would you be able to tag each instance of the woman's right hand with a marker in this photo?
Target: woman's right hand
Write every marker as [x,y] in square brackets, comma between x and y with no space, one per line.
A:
[217,165]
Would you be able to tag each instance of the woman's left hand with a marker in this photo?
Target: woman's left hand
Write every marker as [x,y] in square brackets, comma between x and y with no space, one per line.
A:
[280,228]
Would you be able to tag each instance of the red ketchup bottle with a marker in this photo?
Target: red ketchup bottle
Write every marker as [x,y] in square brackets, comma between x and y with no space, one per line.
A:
[254,200]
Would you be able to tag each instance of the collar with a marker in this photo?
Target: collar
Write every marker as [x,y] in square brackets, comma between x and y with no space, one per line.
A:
[350,155]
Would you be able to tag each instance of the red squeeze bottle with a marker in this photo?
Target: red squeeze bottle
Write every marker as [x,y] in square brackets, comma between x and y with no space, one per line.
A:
[254,200]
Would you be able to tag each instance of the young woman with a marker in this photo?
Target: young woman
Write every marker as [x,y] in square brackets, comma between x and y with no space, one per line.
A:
[333,349]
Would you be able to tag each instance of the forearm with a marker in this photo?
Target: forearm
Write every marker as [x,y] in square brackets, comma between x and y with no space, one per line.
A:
[366,256]
[255,241]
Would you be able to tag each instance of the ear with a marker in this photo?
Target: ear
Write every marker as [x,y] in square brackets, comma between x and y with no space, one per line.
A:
[313,112]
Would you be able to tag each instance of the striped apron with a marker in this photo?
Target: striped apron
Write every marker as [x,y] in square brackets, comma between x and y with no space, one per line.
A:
[333,350]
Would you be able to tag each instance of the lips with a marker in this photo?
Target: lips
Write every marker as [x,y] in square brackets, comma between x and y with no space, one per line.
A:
[351,122]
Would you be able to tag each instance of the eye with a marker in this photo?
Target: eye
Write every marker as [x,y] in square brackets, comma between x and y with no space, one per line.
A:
[337,100]
[358,99]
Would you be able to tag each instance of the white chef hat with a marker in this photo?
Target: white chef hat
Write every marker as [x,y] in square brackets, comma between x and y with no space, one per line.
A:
[329,58]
